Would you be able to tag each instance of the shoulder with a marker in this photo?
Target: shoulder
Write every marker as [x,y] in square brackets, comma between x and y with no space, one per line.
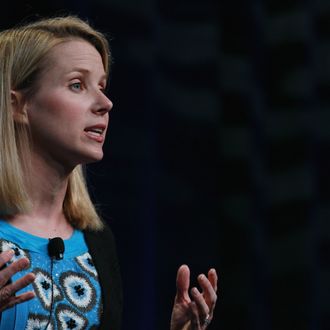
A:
[101,243]
[104,234]
[102,247]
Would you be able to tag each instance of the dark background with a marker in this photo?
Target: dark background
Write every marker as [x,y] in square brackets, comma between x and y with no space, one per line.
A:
[217,153]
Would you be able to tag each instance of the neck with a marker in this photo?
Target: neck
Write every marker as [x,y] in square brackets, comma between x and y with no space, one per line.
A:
[46,186]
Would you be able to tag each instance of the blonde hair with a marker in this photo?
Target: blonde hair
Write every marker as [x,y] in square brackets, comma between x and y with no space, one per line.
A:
[23,51]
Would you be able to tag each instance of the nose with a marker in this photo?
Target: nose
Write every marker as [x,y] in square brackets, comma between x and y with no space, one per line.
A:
[103,104]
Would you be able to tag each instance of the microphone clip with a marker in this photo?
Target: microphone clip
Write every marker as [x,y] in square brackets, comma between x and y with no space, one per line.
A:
[56,248]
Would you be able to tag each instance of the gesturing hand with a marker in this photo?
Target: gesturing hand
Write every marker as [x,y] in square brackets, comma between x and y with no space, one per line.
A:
[7,291]
[194,311]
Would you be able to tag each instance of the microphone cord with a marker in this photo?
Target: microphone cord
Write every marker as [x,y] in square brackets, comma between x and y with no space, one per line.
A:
[55,251]
[52,293]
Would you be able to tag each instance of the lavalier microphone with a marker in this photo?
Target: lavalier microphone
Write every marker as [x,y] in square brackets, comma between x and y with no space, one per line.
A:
[56,248]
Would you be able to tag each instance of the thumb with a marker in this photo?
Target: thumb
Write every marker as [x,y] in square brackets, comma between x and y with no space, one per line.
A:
[183,283]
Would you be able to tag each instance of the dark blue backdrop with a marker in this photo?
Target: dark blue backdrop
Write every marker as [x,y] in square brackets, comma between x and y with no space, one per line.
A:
[217,153]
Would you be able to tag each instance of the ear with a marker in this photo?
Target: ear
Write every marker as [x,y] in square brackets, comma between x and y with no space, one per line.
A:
[19,107]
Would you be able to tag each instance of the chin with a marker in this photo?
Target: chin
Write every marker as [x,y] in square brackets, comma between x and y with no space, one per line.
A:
[92,157]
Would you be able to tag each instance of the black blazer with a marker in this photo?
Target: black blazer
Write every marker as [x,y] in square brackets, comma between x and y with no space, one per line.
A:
[102,248]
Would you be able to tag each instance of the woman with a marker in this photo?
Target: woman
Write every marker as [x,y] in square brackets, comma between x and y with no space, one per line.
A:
[53,119]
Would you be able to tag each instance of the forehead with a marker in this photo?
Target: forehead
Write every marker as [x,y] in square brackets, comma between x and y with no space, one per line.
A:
[74,53]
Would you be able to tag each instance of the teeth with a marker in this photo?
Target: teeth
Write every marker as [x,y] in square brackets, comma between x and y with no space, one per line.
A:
[93,133]
[98,131]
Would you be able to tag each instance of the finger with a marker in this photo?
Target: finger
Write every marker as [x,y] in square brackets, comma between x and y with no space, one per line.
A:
[12,269]
[213,278]
[208,291]
[195,321]
[18,285]
[5,257]
[14,300]
[183,283]
[202,307]
[9,290]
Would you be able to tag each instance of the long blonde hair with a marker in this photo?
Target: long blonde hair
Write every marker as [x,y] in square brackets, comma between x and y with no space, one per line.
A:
[22,53]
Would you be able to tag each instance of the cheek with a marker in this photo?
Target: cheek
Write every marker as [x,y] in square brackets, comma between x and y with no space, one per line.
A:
[54,110]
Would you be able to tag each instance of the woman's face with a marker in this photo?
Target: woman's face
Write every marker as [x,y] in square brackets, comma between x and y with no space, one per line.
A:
[68,115]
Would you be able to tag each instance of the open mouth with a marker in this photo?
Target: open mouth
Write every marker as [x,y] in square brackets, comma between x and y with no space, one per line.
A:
[96,132]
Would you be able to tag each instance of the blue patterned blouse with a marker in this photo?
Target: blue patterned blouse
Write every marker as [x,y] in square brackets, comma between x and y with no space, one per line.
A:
[76,290]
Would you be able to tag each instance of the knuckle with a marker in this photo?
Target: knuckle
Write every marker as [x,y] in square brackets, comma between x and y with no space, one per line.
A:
[18,300]
[5,293]
[213,301]
[207,312]
[19,265]
[3,280]
[13,301]
[2,259]
[3,256]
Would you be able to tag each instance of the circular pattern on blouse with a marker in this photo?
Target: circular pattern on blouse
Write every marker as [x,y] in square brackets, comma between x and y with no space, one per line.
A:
[18,252]
[38,322]
[43,288]
[86,263]
[78,290]
[68,319]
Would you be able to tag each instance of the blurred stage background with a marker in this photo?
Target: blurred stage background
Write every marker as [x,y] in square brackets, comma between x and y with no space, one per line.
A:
[217,153]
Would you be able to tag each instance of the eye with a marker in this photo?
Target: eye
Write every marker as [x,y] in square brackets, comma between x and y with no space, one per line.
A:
[104,89]
[77,86]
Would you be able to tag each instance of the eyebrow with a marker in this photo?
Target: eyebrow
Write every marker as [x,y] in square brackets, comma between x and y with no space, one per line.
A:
[86,71]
